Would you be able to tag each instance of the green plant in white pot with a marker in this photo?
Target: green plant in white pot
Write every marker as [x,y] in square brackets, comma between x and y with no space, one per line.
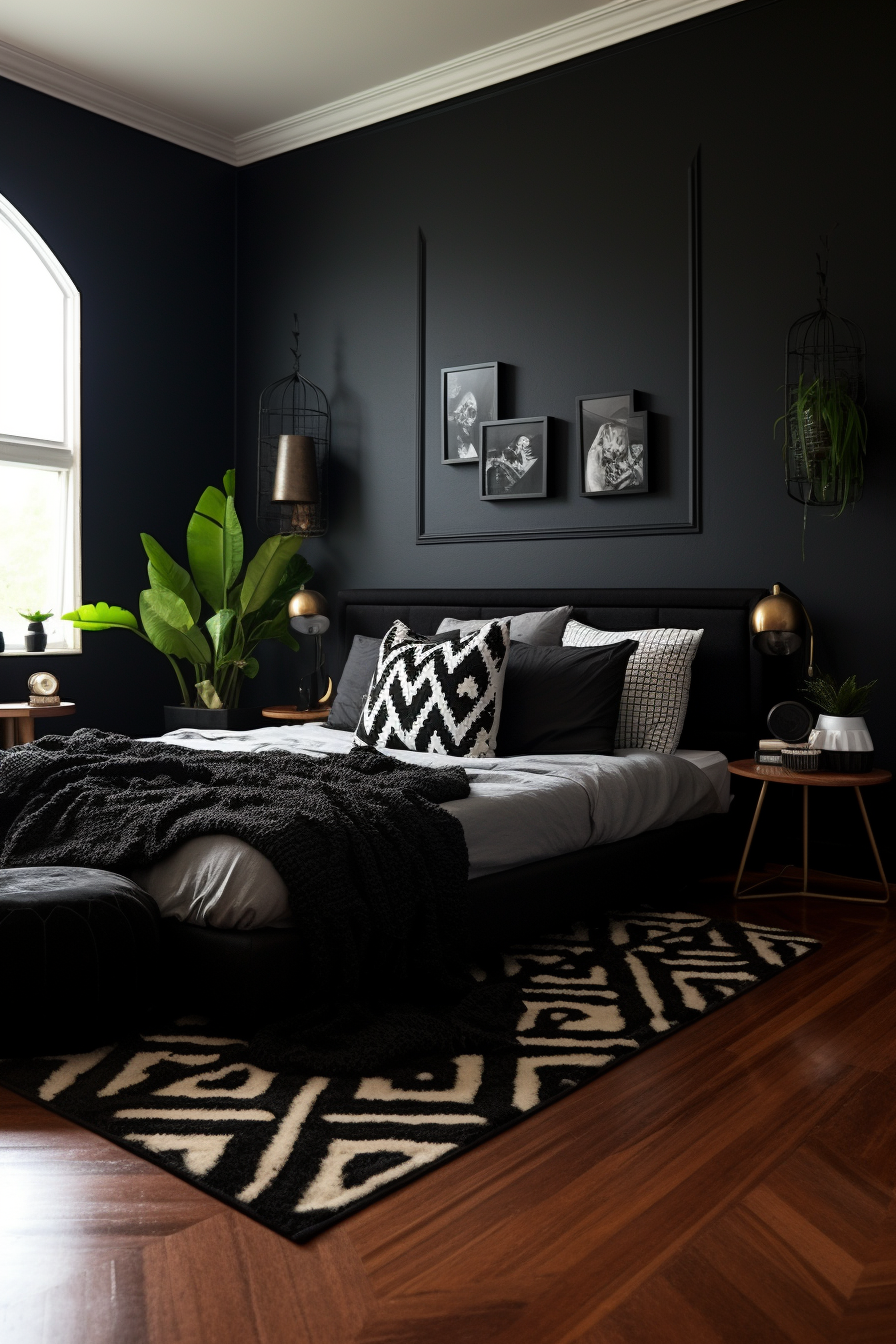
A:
[247,606]
[841,732]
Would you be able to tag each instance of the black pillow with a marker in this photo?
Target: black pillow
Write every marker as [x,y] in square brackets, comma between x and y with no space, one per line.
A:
[562,700]
[357,675]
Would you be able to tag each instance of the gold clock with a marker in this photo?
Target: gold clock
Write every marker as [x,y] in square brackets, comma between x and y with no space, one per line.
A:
[43,683]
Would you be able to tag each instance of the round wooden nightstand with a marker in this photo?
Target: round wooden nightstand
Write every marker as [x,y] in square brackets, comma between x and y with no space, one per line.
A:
[808,779]
[289,714]
[18,719]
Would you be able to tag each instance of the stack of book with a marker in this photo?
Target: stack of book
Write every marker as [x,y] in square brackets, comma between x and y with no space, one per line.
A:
[769,752]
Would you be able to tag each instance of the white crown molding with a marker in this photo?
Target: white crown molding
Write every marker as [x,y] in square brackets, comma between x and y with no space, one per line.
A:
[47,77]
[603,27]
[596,28]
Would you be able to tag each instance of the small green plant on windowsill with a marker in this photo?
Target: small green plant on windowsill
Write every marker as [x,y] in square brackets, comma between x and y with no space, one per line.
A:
[843,701]
[246,607]
[37,616]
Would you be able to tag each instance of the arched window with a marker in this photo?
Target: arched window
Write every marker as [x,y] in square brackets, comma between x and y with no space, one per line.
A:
[40,432]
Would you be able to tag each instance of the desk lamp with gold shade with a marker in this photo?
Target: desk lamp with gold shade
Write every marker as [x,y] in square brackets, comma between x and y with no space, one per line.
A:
[777,623]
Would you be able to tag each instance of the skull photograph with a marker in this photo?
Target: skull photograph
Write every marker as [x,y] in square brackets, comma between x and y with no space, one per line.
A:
[613,444]
[469,396]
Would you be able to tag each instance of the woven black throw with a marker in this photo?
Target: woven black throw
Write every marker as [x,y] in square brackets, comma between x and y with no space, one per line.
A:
[299,1150]
[376,871]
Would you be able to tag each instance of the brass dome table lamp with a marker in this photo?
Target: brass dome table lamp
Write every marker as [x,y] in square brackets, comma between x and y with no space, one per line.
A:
[307,612]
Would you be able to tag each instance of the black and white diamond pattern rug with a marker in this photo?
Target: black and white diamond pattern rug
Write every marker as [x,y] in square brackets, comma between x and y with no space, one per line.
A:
[300,1153]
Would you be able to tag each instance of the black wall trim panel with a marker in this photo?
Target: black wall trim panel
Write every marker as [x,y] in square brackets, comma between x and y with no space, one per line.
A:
[693,523]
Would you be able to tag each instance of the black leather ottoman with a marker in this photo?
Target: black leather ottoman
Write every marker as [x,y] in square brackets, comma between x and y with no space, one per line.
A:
[79,958]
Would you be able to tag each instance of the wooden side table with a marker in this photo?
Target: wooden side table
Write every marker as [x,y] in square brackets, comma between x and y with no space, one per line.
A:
[18,719]
[289,714]
[807,779]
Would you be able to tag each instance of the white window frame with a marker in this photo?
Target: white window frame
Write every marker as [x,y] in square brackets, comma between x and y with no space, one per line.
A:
[64,456]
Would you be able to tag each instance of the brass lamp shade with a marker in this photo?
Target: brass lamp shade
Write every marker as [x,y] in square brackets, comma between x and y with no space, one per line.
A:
[295,477]
[307,612]
[777,622]
[306,602]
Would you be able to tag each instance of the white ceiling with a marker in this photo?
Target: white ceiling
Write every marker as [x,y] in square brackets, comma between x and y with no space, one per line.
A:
[245,78]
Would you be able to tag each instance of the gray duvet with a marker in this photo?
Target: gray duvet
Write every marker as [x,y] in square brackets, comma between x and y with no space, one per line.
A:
[520,809]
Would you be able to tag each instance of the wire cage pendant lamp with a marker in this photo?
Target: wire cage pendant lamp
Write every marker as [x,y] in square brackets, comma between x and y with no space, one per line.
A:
[293,420]
[824,396]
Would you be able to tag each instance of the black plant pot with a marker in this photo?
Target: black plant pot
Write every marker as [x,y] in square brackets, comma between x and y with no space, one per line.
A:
[848,762]
[35,638]
[182,716]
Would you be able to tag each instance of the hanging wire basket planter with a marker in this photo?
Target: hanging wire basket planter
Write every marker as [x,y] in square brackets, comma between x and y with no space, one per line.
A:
[292,405]
[825,430]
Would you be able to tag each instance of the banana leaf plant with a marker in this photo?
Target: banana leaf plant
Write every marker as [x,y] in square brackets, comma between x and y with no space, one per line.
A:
[246,606]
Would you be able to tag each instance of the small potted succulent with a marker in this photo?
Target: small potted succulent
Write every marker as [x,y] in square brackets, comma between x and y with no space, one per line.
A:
[841,732]
[36,636]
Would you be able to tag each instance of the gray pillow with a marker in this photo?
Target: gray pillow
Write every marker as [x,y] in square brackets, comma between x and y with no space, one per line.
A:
[532,627]
[360,665]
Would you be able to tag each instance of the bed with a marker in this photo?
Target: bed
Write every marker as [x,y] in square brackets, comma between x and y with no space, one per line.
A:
[238,968]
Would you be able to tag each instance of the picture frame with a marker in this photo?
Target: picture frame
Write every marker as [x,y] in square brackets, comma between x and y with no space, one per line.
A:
[469,395]
[612,445]
[513,458]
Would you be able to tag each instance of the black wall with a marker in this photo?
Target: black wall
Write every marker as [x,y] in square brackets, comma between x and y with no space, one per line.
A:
[146,231]
[555,214]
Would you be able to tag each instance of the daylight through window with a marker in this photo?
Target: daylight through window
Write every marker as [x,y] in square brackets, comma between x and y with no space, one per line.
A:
[39,436]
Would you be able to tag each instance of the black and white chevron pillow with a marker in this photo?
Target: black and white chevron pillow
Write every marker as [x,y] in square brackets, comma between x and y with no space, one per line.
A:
[438,698]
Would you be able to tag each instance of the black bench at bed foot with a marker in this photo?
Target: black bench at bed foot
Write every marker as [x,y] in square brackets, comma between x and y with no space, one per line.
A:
[79,958]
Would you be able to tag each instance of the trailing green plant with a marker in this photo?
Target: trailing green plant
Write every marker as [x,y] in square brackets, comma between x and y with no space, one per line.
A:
[246,606]
[35,615]
[844,701]
[826,428]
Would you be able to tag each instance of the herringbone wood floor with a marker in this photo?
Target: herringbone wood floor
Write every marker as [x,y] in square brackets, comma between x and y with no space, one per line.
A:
[734,1183]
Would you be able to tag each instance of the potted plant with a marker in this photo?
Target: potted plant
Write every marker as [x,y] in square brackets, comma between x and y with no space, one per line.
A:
[36,635]
[827,431]
[841,732]
[247,606]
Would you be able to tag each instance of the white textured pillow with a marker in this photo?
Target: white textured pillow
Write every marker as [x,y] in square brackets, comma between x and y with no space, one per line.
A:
[657,682]
[443,698]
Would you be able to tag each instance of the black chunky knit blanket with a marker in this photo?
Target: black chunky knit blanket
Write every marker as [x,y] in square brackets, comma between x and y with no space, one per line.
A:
[376,871]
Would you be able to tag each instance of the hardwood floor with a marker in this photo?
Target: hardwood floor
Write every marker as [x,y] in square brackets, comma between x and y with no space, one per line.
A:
[734,1183]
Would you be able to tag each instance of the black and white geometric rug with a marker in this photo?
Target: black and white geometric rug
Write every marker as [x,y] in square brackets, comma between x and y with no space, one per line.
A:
[300,1153]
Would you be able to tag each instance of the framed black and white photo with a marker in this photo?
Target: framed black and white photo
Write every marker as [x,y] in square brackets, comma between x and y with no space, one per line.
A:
[469,396]
[513,458]
[612,445]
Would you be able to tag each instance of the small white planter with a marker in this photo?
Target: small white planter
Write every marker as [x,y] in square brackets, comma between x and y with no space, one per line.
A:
[845,744]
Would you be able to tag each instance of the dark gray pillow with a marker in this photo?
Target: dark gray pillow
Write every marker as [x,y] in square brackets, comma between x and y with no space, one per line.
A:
[554,703]
[360,666]
[357,676]
[530,627]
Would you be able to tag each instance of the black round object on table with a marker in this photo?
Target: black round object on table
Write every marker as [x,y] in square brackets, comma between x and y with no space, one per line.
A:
[790,721]
[79,958]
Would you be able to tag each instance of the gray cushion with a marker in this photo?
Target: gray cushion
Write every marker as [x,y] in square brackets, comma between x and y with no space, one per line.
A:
[532,627]
[357,674]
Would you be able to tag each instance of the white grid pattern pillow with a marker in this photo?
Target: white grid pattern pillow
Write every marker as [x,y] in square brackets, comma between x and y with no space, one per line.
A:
[657,682]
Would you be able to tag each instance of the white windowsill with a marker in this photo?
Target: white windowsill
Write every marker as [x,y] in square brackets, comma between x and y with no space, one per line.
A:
[47,653]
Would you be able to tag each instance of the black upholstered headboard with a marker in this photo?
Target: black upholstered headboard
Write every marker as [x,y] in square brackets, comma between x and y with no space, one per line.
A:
[726,706]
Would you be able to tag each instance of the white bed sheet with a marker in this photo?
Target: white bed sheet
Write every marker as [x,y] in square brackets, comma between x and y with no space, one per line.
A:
[520,809]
